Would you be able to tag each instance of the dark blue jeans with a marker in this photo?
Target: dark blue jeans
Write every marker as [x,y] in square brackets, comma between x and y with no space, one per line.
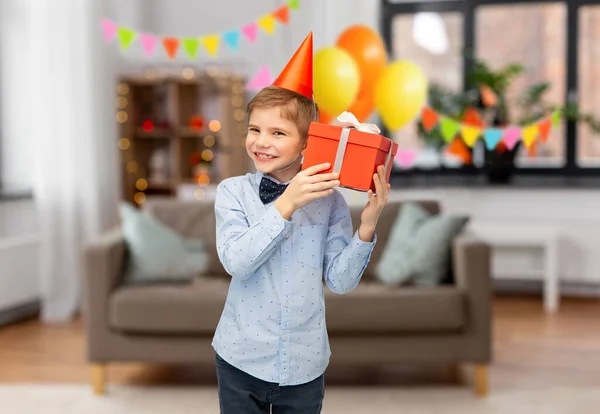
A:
[241,393]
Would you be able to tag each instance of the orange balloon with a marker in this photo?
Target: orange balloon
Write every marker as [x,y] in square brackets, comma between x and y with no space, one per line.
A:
[363,106]
[368,50]
[324,117]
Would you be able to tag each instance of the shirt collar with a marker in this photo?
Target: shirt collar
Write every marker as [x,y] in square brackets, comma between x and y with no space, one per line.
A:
[260,175]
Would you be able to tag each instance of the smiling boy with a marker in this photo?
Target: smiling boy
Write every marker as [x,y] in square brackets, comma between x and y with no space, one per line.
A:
[280,232]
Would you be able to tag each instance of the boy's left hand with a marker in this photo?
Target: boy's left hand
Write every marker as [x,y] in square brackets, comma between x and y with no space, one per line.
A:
[373,209]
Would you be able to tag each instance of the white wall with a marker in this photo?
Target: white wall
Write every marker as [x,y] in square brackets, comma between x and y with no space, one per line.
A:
[573,211]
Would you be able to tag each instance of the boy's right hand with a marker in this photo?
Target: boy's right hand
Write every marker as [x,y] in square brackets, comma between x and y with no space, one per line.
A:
[306,186]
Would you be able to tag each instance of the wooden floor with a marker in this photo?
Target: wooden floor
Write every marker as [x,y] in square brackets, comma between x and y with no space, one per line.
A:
[531,349]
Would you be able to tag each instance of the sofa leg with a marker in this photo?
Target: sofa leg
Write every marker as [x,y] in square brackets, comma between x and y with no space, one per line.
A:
[481,380]
[99,378]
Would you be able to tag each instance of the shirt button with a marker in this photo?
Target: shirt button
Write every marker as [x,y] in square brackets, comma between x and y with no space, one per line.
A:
[287,236]
[276,228]
[286,304]
[287,268]
[284,337]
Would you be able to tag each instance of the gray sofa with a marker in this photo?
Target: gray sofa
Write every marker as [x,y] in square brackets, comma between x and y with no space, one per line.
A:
[373,324]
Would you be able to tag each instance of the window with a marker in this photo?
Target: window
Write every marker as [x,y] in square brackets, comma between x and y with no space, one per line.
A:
[554,41]
[434,42]
[534,36]
[588,144]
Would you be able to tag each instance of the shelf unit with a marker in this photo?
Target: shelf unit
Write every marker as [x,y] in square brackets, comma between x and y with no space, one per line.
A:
[179,129]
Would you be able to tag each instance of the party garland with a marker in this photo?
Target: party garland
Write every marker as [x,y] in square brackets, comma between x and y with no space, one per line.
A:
[127,36]
[492,136]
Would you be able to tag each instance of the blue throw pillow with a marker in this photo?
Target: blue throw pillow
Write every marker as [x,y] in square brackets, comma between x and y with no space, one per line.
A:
[419,247]
[157,253]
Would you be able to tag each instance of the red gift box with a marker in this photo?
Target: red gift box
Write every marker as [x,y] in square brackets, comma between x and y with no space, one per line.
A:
[353,153]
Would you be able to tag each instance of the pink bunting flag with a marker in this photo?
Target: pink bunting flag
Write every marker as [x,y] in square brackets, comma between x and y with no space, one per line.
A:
[406,158]
[148,43]
[109,28]
[511,137]
[262,79]
[250,31]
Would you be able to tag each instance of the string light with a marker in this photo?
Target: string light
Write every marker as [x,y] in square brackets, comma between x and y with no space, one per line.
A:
[132,167]
[203,179]
[188,73]
[121,102]
[207,155]
[209,140]
[212,71]
[151,74]
[199,193]
[122,117]
[139,198]
[238,88]
[123,89]
[141,184]
[124,143]
[214,125]
[237,101]
[239,114]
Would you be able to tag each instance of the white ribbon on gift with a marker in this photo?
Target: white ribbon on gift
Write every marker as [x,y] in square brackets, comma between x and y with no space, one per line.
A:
[348,122]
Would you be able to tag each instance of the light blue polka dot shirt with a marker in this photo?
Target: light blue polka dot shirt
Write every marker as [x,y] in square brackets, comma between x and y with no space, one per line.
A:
[273,324]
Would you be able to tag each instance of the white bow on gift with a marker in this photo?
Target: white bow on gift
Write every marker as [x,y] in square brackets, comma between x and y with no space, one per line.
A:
[348,119]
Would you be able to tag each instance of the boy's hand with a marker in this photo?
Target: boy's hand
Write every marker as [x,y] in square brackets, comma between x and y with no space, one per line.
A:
[373,209]
[306,186]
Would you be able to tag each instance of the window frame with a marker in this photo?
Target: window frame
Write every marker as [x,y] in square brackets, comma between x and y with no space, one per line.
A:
[469,10]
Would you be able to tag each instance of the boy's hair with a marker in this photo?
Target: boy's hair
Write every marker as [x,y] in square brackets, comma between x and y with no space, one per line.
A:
[295,107]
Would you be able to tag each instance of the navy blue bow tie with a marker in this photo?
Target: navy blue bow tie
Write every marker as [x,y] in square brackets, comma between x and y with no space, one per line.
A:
[270,190]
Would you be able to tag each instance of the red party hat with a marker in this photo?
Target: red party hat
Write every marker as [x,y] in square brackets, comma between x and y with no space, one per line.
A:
[297,75]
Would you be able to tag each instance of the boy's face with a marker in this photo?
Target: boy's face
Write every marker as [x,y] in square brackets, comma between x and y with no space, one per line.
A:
[274,144]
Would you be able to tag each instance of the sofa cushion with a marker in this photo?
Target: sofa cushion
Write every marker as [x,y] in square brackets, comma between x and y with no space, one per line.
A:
[384,226]
[194,308]
[191,220]
[157,254]
[373,307]
[418,250]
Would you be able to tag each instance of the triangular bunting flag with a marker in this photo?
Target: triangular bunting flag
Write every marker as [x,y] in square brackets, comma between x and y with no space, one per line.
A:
[262,79]
[126,37]
[458,149]
[556,118]
[544,127]
[449,128]
[406,158]
[282,14]
[470,134]
[294,4]
[511,137]
[171,45]
[530,134]
[190,44]
[232,39]
[211,44]
[492,137]
[250,31]
[532,151]
[109,28]
[429,118]
[148,43]
[267,23]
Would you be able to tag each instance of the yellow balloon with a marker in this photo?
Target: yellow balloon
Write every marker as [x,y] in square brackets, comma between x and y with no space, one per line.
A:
[336,79]
[400,93]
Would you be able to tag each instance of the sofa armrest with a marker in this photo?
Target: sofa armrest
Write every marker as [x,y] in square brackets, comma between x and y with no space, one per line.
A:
[472,274]
[103,264]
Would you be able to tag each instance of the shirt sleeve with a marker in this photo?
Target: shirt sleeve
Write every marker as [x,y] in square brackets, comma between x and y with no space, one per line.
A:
[346,255]
[242,248]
